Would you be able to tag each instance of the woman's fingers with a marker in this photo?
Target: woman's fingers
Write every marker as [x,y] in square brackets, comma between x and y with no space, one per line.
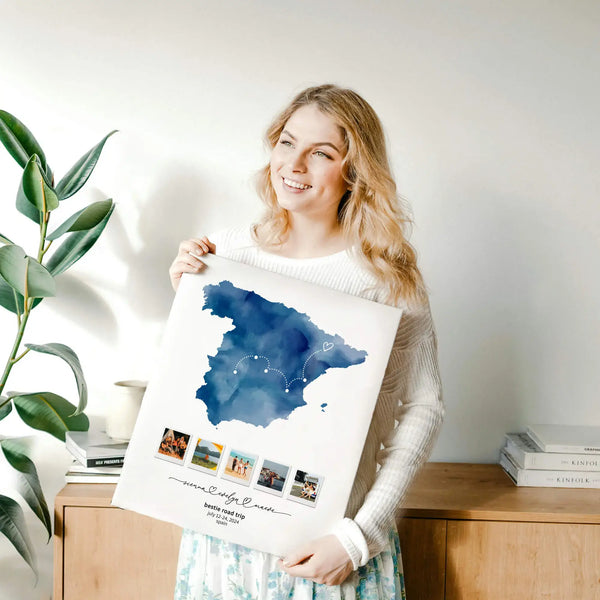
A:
[188,258]
[323,560]
[199,246]
[299,556]
[208,244]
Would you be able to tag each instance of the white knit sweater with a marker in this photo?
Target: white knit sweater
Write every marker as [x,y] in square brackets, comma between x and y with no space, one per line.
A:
[409,409]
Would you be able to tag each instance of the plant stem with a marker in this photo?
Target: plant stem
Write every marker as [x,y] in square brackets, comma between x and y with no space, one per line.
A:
[27,306]
[18,310]
[16,360]
[43,229]
[11,359]
[46,248]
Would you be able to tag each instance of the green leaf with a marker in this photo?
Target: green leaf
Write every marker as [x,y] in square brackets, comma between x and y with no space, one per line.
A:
[51,413]
[4,239]
[6,409]
[79,173]
[76,245]
[28,484]
[12,525]
[26,208]
[72,360]
[84,219]
[7,297]
[19,141]
[15,265]
[35,187]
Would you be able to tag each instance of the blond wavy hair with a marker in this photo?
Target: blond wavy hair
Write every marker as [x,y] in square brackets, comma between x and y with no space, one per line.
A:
[371,215]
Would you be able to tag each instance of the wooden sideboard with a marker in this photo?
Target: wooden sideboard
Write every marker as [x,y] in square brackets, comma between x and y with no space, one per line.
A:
[467,533]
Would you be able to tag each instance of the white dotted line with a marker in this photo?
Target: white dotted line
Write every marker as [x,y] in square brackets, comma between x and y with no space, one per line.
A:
[287,384]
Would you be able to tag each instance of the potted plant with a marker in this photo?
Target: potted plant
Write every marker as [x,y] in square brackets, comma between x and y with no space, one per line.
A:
[24,282]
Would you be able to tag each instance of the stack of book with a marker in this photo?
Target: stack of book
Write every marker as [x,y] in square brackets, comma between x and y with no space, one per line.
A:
[97,457]
[553,456]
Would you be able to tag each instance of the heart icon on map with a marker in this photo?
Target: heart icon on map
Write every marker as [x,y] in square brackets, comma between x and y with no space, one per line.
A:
[327,346]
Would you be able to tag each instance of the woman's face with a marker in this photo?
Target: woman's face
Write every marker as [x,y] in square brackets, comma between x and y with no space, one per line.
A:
[306,165]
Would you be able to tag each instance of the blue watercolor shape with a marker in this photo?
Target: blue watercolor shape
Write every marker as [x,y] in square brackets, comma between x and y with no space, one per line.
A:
[265,362]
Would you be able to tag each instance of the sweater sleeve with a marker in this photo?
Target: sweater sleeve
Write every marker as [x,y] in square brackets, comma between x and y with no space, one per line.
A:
[412,389]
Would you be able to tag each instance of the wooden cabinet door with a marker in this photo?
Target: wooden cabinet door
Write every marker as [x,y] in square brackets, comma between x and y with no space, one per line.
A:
[111,553]
[423,545]
[496,560]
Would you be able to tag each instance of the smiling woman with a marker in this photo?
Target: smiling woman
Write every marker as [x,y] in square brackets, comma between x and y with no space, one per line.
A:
[306,170]
[333,218]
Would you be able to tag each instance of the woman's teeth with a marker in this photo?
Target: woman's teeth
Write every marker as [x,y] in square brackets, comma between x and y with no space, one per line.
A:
[295,184]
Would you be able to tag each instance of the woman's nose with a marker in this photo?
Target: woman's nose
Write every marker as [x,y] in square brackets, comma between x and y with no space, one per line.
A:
[297,162]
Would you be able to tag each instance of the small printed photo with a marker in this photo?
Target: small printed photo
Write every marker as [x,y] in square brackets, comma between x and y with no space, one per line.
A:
[173,446]
[239,467]
[272,477]
[306,488]
[207,456]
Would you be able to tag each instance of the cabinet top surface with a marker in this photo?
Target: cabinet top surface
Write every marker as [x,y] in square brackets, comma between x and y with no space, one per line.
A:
[444,491]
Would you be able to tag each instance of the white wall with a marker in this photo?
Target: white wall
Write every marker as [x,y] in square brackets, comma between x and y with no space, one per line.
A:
[491,113]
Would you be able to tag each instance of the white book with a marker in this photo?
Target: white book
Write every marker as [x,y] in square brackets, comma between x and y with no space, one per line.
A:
[543,478]
[576,439]
[527,455]
[95,448]
[75,477]
[77,467]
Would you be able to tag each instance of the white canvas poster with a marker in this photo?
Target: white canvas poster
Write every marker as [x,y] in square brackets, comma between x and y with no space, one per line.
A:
[255,417]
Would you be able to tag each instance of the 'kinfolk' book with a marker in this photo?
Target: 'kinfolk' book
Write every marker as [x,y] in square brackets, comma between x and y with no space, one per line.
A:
[577,439]
[543,478]
[95,448]
[527,455]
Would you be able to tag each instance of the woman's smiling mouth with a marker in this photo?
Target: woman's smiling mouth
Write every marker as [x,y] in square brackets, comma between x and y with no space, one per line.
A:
[295,184]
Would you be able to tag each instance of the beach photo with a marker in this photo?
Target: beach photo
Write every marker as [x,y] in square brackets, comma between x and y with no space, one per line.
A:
[173,446]
[306,488]
[239,467]
[272,477]
[206,456]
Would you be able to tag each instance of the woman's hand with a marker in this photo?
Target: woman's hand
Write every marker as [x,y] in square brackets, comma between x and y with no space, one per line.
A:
[323,560]
[186,262]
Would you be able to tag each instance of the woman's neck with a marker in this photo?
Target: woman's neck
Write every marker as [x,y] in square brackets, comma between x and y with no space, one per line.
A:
[310,239]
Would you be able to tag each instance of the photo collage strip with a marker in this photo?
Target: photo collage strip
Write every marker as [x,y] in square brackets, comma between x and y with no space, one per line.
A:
[239,466]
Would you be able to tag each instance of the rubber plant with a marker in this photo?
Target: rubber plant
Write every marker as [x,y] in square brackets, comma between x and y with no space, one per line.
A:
[24,282]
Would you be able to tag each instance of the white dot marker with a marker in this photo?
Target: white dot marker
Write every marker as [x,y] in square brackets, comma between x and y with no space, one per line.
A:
[305,380]
[266,370]
[234,372]
[255,357]
[286,391]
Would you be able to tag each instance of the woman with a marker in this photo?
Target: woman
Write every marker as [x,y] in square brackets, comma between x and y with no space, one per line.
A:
[333,218]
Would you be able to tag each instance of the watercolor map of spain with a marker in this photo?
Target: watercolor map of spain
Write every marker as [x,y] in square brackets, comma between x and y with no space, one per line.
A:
[266,361]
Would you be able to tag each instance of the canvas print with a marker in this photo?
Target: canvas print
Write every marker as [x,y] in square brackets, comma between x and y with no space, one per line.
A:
[272,477]
[207,456]
[173,446]
[306,488]
[261,382]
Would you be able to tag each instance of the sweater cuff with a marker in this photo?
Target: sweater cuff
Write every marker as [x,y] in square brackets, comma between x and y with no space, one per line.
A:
[353,541]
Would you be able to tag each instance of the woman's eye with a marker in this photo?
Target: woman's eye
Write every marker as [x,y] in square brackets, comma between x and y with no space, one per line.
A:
[285,142]
[321,153]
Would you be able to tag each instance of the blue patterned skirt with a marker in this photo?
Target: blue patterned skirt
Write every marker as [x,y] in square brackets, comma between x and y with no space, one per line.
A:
[212,569]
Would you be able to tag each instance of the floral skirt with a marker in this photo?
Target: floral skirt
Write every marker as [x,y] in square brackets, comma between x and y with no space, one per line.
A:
[212,569]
